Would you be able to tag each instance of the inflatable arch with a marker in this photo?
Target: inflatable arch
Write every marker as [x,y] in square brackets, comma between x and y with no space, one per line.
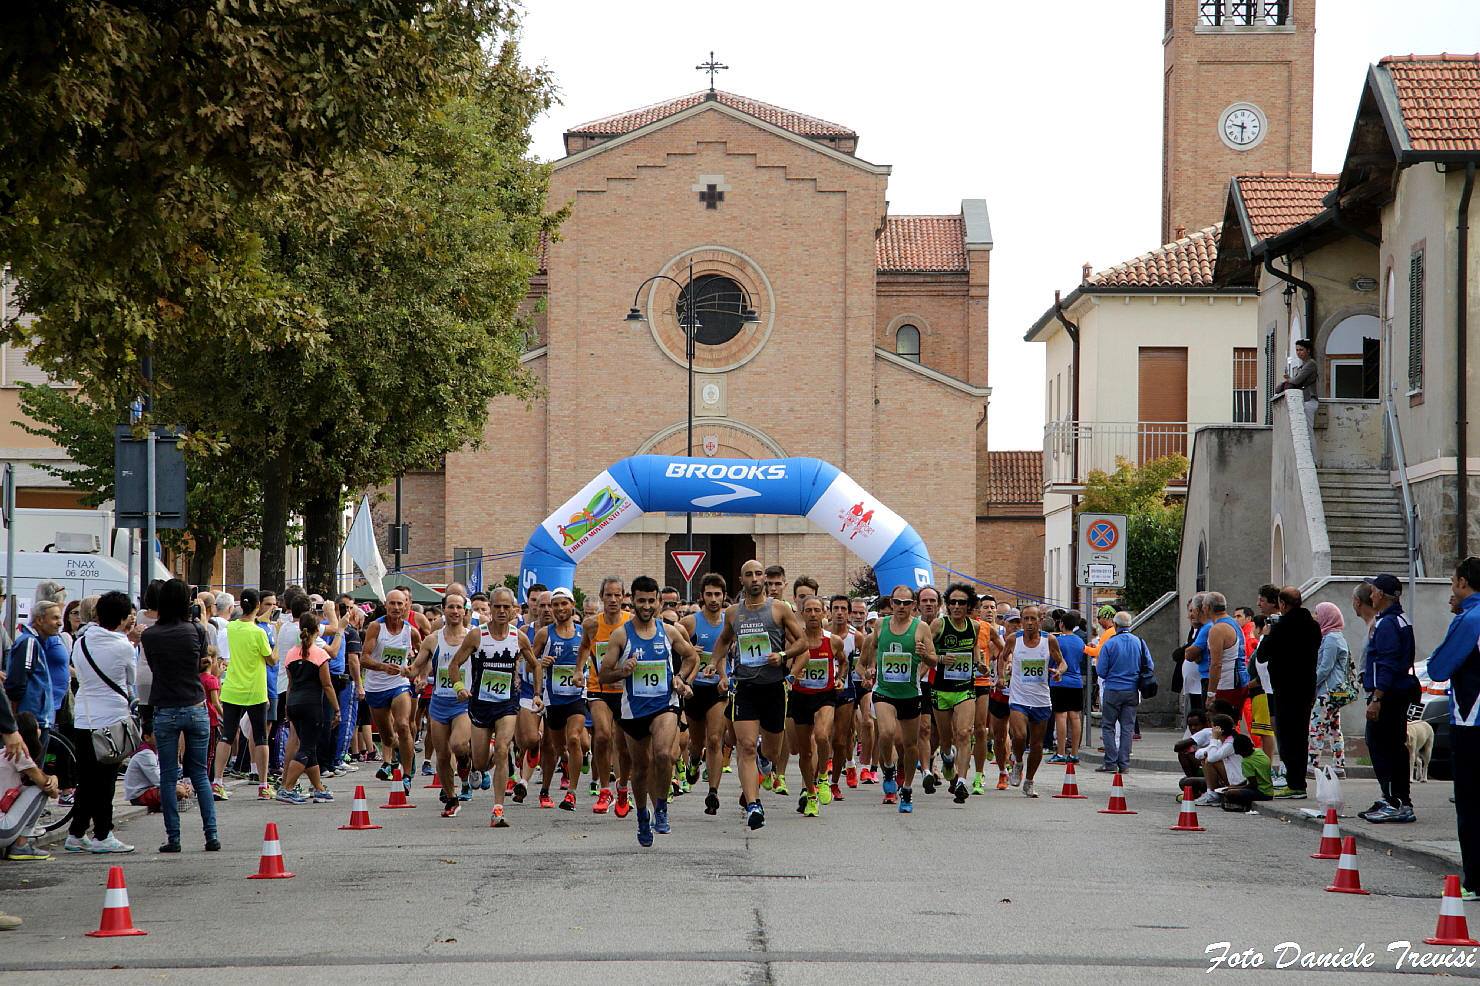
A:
[810,488]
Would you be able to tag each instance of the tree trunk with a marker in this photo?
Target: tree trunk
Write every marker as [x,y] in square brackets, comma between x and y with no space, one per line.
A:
[321,539]
[203,560]
[276,506]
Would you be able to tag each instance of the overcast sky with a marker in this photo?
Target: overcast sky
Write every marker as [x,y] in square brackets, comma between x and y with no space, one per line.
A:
[1049,111]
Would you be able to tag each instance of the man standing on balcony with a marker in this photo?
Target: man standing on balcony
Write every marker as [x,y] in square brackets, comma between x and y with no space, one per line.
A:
[1303,377]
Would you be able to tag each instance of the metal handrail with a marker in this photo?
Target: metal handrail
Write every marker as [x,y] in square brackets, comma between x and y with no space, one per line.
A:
[1410,508]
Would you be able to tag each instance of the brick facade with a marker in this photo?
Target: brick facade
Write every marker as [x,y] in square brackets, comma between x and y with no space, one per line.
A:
[799,223]
[1206,70]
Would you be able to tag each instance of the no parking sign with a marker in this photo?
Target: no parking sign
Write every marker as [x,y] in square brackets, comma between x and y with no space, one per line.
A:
[1102,551]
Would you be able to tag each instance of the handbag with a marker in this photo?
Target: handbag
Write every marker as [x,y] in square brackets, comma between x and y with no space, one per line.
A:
[1346,692]
[114,744]
[1146,678]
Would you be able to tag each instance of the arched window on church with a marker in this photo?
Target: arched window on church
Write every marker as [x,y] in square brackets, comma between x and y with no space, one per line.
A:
[907,343]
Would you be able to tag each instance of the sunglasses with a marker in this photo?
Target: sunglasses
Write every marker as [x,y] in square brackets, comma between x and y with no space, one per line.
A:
[957,602]
[903,602]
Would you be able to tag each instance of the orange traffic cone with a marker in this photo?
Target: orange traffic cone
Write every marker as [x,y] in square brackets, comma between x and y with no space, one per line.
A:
[1187,818]
[1452,929]
[1117,799]
[398,798]
[118,921]
[270,866]
[1071,786]
[359,813]
[1330,838]
[1348,880]
[396,776]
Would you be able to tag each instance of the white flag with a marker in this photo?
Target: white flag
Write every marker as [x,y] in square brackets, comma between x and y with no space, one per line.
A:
[363,550]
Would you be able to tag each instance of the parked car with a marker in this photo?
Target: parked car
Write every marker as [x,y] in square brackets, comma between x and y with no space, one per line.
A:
[1433,708]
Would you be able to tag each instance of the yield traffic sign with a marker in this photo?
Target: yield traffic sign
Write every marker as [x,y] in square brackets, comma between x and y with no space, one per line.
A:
[688,563]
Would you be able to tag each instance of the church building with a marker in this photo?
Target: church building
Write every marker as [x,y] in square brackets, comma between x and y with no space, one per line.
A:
[825,327]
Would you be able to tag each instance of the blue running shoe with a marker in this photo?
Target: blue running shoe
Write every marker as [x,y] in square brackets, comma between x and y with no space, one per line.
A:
[644,828]
[467,792]
[427,769]
[660,818]
[891,786]
[755,815]
[906,807]
[487,779]
[764,766]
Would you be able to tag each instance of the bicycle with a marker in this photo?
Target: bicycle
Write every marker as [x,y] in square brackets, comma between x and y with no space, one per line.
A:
[60,760]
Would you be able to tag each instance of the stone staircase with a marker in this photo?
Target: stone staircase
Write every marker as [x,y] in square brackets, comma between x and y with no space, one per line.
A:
[1364,518]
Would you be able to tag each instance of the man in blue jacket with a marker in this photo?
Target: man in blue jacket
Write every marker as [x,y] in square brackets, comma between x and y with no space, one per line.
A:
[1391,686]
[1457,660]
[27,679]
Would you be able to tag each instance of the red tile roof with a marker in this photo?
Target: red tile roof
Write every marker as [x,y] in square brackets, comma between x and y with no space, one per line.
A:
[922,243]
[797,123]
[1184,263]
[1015,477]
[1276,201]
[1439,96]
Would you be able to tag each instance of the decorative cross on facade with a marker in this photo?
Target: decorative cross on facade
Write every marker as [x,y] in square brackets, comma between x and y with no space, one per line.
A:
[711,197]
[711,67]
[711,189]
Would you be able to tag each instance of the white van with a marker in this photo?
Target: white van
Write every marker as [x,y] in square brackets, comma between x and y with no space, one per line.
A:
[81,574]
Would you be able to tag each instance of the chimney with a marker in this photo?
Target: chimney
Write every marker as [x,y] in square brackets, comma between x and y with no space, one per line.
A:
[1179,232]
[1085,272]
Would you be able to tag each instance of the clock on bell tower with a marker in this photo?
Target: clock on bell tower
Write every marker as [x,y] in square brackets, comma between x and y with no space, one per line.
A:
[1236,98]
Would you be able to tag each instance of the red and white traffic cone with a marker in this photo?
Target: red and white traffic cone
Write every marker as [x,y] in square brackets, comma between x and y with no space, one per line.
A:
[396,776]
[118,921]
[398,798]
[1187,818]
[1071,785]
[1330,838]
[359,813]
[1452,929]
[1117,799]
[270,866]
[1348,880]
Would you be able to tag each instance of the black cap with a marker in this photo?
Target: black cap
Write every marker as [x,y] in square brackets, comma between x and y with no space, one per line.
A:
[1387,584]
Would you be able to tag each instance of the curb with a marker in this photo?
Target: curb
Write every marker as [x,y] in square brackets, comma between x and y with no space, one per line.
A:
[1406,851]
[122,812]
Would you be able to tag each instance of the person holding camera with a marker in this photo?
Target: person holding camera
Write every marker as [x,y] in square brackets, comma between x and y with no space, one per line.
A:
[105,669]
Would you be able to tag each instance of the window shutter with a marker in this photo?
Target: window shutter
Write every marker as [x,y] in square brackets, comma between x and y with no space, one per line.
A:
[1415,322]
[1269,376]
[18,369]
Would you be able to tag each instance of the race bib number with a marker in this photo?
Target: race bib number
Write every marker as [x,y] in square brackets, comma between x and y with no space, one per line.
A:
[898,667]
[708,679]
[394,655]
[564,679]
[814,672]
[1034,668]
[444,679]
[958,666]
[650,679]
[496,686]
[754,649]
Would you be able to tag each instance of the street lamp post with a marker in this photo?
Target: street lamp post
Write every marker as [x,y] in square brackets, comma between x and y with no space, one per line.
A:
[689,322]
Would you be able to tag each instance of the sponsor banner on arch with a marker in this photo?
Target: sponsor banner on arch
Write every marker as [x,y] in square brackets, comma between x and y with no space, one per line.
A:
[849,513]
[585,521]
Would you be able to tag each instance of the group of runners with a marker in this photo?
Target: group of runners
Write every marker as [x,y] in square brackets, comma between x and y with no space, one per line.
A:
[648,698]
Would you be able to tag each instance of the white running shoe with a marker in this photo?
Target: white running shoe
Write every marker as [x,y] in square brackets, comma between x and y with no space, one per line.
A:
[77,843]
[1016,777]
[110,844]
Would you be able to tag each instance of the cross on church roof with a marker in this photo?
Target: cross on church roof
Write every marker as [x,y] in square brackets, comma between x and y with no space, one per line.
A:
[711,67]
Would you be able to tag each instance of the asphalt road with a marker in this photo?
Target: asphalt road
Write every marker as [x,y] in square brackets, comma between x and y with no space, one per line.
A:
[1037,890]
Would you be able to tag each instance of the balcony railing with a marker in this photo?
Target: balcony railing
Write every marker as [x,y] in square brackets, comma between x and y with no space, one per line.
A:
[1101,443]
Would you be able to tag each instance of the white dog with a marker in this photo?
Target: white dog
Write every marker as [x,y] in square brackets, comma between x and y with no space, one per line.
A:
[1420,750]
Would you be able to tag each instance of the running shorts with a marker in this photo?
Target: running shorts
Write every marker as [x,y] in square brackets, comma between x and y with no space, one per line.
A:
[905,709]
[945,701]
[1035,713]
[383,700]
[982,691]
[641,728]
[997,708]
[527,704]
[444,710]
[612,700]
[763,703]
[231,717]
[1066,699]
[1259,716]
[802,706]
[485,715]
[557,715]
[705,697]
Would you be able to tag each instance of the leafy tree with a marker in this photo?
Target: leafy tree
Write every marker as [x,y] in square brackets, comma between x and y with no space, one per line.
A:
[1153,522]
[134,132]
[223,507]
[864,583]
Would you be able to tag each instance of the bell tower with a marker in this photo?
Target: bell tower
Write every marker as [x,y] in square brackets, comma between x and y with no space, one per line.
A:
[1236,98]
